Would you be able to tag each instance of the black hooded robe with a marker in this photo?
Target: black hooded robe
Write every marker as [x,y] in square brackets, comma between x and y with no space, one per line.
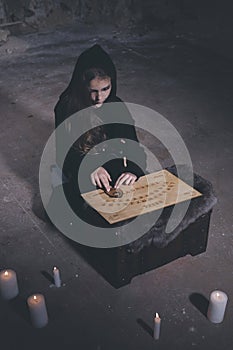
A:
[120,132]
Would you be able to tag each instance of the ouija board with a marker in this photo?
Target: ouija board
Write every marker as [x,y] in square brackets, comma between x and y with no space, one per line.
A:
[151,192]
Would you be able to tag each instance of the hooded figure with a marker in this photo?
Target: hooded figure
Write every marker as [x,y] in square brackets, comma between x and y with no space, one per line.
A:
[100,117]
[74,97]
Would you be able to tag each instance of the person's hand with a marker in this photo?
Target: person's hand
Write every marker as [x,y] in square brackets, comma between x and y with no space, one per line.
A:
[101,178]
[125,178]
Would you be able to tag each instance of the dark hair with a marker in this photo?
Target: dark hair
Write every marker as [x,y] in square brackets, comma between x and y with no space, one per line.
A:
[96,134]
[93,73]
[77,93]
[92,63]
[87,77]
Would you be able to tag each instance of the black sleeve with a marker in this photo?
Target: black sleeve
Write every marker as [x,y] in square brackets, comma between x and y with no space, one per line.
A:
[123,134]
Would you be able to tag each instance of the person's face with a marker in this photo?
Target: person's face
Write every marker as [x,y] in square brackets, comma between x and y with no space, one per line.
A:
[100,89]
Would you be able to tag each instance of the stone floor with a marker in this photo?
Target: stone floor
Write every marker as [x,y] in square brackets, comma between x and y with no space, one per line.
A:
[191,86]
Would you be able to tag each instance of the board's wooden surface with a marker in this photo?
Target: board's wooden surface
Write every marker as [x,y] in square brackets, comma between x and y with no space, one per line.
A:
[151,192]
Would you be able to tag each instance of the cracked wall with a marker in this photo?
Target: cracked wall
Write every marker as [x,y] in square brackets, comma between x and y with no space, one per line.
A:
[203,17]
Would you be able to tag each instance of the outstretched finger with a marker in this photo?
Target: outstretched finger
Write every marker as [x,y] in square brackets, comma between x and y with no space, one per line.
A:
[121,180]
[133,180]
[118,180]
[93,180]
[108,176]
[98,182]
[129,180]
[105,183]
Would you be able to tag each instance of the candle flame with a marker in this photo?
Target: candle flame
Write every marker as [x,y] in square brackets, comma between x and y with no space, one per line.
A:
[34,297]
[6,273]
[218,295]
[54,269]
[157,315]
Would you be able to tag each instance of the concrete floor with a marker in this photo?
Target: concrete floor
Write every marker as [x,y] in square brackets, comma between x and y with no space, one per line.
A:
[192,87]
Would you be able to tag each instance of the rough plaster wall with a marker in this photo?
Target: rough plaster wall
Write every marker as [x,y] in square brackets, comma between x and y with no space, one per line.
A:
[40,12]
[151,12]
[35,12]
[208,17]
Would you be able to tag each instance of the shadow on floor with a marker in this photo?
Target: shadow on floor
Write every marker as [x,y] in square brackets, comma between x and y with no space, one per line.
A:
[200,302]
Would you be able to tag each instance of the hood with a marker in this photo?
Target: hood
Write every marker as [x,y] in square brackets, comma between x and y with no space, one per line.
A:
[71,100]
[95,56]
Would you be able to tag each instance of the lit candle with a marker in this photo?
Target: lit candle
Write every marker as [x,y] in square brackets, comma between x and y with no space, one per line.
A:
[38,310]
[125,161]
[56,277]
[157,323]
[8,284]
[217,306]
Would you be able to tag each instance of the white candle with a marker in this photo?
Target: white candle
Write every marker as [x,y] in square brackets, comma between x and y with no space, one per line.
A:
[8,284]
[217,306]
[38,310]
[56,277]
[157,323]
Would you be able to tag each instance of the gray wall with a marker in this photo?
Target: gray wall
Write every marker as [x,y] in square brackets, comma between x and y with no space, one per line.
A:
[212,17]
